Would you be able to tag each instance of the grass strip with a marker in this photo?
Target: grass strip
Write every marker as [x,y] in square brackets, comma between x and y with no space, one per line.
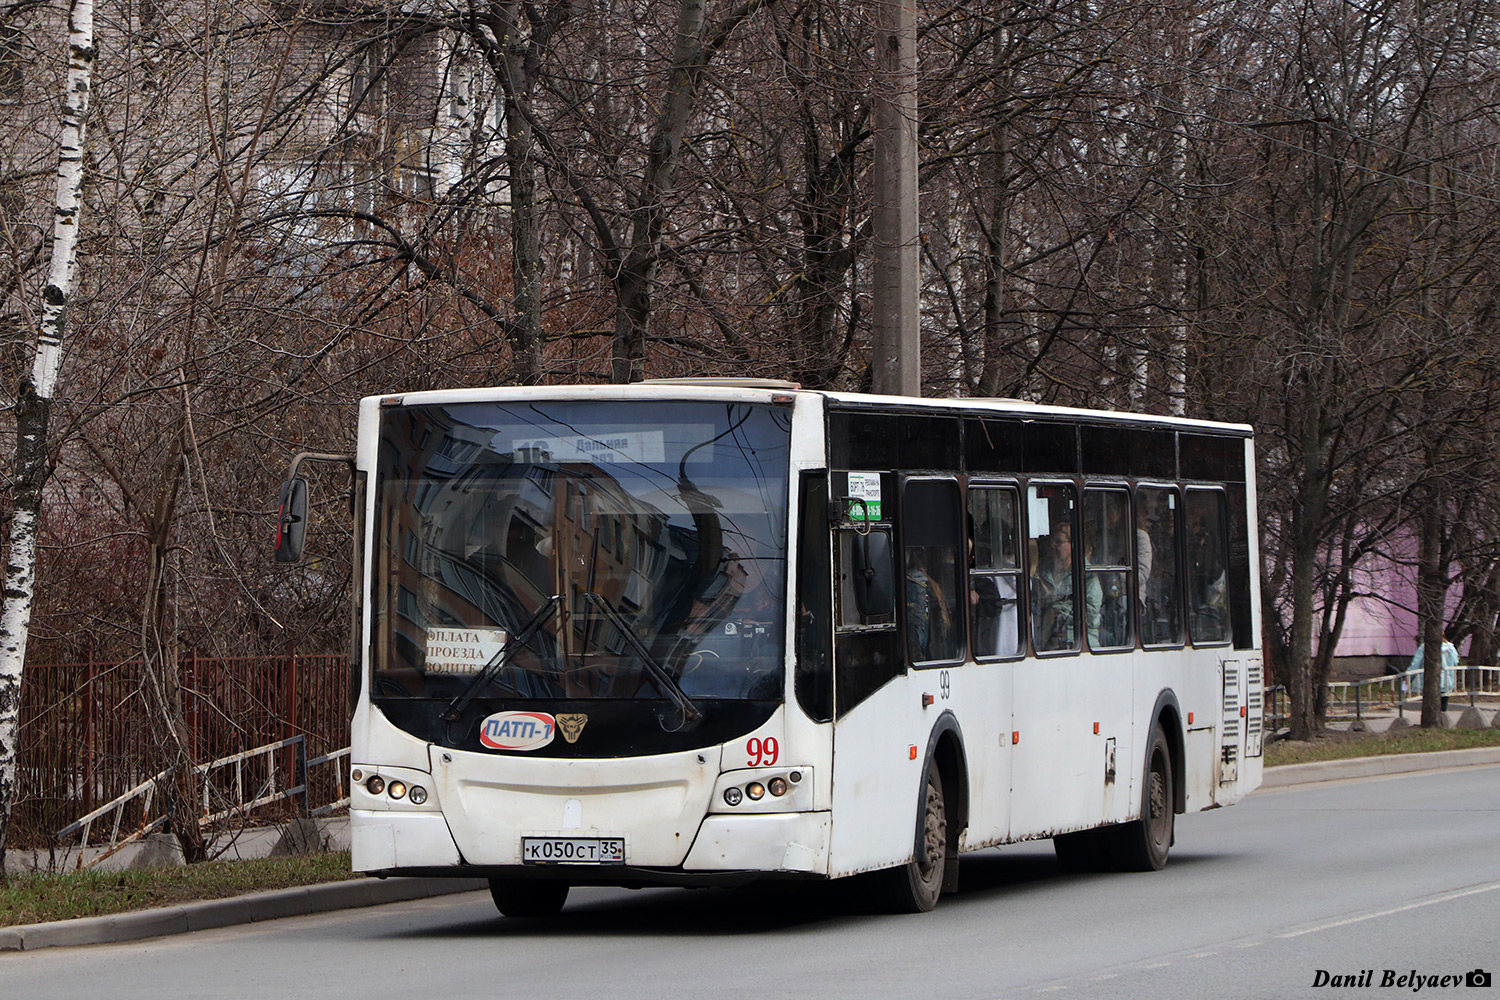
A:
[1338,745]
[41,897]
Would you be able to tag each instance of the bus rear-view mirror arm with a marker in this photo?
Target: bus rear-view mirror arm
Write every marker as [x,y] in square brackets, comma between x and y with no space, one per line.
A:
[291,517]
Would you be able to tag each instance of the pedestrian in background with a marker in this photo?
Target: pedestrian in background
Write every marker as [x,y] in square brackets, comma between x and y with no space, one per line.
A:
[1447,680]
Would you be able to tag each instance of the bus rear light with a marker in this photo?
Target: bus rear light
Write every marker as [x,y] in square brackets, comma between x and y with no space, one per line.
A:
[375,785]
[755,790]
[777,786]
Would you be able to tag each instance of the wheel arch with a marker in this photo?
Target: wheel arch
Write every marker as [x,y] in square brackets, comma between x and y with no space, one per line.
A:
[1168,714]
[945,748]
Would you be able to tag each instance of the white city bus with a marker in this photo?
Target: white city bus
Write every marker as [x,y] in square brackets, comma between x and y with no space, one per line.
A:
[702,633]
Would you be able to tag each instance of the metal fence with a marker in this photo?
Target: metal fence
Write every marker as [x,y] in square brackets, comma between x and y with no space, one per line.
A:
[86,734]
[1356,698]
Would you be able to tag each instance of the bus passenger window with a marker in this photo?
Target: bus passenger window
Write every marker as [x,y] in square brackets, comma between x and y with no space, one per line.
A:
[1208,601]
[995,573]
[1106,569]
[1156,566]
[931,535]
[1051,517]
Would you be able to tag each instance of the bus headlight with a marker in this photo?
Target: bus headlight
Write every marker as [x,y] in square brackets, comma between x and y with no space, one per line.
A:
[417,795]
[777,786]
[755,790]
[375,785]
[397,789]
[733,796]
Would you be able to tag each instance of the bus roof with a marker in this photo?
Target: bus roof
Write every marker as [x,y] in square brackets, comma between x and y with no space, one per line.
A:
[767,390]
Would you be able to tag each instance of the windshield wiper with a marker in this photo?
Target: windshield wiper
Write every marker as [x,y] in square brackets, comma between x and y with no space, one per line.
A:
[498,662]
[658,672]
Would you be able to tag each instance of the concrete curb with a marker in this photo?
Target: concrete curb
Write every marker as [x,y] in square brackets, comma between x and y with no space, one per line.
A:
[229,912]
[1288,775]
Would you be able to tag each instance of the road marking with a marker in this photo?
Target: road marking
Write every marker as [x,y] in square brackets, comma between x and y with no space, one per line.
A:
[1204,954]
[1446,898]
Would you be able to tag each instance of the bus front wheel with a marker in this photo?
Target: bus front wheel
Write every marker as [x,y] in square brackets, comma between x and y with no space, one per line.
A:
[516,897]
[915,886]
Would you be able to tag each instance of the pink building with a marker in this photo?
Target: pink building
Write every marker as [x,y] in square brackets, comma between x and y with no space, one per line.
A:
[1380,631]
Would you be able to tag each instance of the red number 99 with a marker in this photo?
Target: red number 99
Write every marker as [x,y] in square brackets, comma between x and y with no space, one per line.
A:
[762,752]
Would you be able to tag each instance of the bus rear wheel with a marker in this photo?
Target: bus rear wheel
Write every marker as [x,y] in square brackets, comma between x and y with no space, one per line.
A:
[523,897]
[915,886]
[1142,845]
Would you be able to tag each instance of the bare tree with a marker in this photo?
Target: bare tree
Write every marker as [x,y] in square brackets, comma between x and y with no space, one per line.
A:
[34,401]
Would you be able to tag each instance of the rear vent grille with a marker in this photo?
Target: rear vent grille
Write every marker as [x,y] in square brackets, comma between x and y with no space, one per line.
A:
[1255,709]
[1229,755]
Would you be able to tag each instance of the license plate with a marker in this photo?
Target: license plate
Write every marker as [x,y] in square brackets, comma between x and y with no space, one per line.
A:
[573,850]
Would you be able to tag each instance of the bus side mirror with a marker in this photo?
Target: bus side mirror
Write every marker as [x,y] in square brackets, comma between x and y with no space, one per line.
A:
[291,522]
[874,574]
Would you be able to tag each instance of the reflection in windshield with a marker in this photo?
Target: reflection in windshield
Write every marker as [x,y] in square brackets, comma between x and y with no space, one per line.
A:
[673,514]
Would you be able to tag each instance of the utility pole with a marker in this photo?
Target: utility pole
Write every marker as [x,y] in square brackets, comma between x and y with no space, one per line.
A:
[896,353]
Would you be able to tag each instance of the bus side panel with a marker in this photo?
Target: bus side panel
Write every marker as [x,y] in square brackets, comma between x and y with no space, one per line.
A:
[982,704]
[876,777]
[1061,778]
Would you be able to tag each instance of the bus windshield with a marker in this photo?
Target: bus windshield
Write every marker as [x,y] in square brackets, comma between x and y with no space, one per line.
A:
[644,544]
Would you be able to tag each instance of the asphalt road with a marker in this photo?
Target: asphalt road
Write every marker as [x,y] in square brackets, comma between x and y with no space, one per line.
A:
[1399,874]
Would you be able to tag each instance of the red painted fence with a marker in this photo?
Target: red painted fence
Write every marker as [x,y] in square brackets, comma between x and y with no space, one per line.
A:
[86,737]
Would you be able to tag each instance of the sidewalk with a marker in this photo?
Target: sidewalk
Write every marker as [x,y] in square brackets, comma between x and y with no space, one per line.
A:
[237,910]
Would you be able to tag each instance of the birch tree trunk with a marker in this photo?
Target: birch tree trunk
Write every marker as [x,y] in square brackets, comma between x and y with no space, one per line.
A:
[34,404]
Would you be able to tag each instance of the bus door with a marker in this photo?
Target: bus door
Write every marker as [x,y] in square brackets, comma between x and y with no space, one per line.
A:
[1073,728]
[871,716]
[997,642]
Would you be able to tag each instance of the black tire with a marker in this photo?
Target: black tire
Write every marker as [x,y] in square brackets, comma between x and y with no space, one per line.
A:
[915,886]
[524,897]
[1142,845]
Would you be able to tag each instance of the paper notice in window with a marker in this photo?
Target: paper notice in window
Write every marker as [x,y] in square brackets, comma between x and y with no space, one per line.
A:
[462,650]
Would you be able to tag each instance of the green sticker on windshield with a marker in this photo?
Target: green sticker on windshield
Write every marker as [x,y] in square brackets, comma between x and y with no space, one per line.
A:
[864,486]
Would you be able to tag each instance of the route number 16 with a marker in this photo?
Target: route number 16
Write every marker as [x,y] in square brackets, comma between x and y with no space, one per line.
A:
[762,752]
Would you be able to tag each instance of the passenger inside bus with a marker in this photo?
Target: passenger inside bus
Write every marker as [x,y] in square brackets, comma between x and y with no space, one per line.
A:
[1052,589]
[930,610]
[994,573]
[1106,605]
[1156,555]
